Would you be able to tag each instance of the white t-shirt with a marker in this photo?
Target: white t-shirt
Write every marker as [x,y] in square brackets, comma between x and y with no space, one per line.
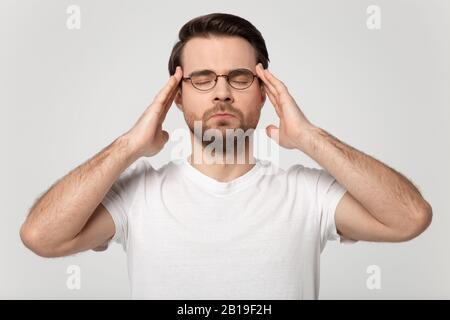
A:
[189,236]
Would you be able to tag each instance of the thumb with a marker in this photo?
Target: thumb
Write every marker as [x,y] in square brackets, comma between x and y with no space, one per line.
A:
[273,132]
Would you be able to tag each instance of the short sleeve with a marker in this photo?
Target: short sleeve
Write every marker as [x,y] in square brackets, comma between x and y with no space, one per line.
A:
[326,194]
[120,197]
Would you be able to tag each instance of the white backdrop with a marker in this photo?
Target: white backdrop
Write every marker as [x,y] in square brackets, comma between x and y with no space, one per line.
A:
[67,93]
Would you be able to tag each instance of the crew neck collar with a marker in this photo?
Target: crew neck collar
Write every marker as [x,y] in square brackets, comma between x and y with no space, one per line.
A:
[212,185]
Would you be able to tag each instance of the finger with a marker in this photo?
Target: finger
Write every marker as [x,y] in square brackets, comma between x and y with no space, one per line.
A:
[178,74]
[273,132]
[169,103]
[263,77]
[274,102]
[282,93]
[279,86]
[163,95]
[270,90]
[172,87]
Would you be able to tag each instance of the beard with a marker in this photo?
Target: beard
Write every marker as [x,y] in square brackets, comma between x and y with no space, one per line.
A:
[232,131]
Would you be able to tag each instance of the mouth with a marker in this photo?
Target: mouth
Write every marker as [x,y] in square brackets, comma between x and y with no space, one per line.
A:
[222,115]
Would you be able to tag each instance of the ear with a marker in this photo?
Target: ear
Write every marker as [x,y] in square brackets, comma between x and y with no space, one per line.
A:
[178,99]
[263,95]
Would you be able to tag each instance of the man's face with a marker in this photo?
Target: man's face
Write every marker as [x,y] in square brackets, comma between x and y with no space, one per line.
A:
[221,55]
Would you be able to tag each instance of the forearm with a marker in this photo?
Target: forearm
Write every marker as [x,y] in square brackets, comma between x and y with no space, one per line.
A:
[385,193]
[60,214]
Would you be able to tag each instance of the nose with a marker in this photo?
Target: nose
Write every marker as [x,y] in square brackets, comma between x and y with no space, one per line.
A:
[223,90]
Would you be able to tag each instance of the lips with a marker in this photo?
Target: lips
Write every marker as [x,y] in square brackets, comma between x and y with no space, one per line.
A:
[222,114]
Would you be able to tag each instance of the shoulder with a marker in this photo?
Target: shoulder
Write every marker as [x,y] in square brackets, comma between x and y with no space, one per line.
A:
[304,173]
[313,181]
[308,174]
[139,170]
[298,174]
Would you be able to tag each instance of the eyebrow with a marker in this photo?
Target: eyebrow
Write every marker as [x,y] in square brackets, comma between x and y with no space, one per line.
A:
[207,71]
[199,72]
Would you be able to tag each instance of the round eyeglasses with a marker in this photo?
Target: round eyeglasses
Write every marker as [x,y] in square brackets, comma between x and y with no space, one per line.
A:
[239,79]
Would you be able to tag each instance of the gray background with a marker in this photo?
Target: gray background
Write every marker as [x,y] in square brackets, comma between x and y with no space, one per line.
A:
[66,94]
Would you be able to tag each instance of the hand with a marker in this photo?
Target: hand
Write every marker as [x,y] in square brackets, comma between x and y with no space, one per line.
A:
[293,126]
[147,137]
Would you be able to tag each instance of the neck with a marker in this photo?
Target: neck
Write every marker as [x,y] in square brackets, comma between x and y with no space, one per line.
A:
[220,165]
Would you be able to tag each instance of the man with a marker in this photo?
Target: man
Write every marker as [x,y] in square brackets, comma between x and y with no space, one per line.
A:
[205,228]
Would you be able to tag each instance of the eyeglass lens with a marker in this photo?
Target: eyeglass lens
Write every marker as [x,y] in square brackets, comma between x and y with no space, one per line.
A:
[238,79]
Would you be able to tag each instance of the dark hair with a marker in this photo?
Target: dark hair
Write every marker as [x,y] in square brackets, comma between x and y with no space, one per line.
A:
[219,24]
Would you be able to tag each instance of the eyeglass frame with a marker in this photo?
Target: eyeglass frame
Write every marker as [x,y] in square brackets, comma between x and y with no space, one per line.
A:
[223,75]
